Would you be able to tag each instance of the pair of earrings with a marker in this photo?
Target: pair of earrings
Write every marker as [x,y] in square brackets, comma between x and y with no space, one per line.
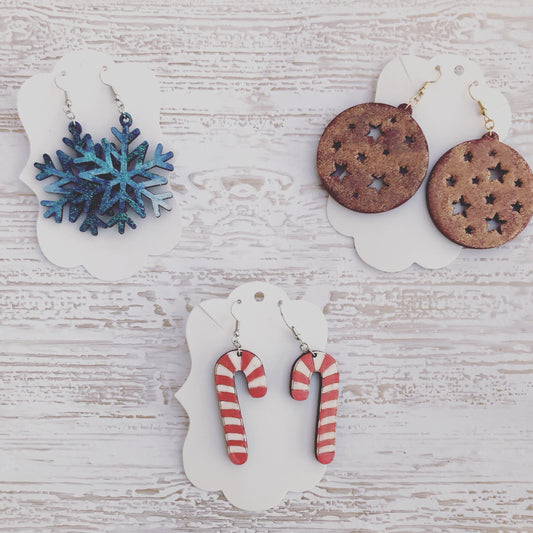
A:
[373,157]
[107,181]
[309,362]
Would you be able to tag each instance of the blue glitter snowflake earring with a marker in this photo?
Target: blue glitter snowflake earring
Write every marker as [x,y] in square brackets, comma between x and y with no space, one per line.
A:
[104,181]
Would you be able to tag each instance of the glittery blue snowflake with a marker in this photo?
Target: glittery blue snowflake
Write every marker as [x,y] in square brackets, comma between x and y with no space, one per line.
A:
[105,180]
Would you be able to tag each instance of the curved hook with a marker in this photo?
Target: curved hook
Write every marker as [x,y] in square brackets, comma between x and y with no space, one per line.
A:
[417,97]
[236,331]
[118,100]
[489,123]
[68,102]
[304,347]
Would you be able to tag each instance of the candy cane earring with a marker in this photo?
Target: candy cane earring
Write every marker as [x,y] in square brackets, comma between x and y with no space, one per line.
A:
[237,360]
[317,361]
[480,193]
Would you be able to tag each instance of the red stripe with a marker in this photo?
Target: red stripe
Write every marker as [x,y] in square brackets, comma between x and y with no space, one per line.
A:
[246,357]
[326,363]
[300,378]
[226,362]
[299,394]
[233,428]
[238,458]
[326,428]
[234,413]
[308,361]
[331,411]
[224,380]
[325,458]
[236,443]
[328,442]
[328,396]
[328,380]
[258,392]
[257,373]
[227,397]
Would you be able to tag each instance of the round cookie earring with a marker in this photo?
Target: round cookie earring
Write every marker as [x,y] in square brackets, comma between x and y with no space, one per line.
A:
[480,193]
[373,157]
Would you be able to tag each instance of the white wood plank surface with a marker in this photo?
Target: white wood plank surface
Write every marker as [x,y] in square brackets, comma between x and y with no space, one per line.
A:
[435,425]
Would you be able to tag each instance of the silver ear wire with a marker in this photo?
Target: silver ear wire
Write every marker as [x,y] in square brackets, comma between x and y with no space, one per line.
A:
[236,331]
[118,101]
[68,102]
[304,347]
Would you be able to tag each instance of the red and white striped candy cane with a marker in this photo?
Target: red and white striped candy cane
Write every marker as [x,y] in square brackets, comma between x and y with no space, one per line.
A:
[326,366]
[230,411]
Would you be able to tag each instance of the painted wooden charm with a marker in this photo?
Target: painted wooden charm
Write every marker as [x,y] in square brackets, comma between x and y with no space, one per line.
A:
[230,412]
[326,366]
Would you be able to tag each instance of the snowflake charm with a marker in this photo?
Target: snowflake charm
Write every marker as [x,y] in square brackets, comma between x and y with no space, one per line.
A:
[104,180]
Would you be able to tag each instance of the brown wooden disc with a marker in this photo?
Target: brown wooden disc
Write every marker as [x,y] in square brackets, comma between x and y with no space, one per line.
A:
[480,193]
[372,157]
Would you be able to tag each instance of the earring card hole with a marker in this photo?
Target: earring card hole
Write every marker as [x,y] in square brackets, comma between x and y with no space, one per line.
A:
[259,296]
[459,70]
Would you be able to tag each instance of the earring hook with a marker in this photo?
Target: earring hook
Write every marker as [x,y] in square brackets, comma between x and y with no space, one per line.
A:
[68,102]
[489,123]
[304,347]
[120,104]
[236,331]
[418,96]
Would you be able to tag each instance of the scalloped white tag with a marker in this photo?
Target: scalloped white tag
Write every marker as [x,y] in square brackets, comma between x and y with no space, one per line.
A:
[109,255]
[280,430]
[394,240]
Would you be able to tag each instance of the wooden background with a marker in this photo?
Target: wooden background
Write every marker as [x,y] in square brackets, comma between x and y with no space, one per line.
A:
[436,413]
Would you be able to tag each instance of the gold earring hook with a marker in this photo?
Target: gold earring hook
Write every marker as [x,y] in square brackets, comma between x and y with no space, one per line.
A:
[68,102]
[489,123]
[418,96]
[120,104]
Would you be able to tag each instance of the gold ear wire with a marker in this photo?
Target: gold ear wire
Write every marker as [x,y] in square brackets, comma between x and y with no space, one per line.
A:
[418,96]
[489,123]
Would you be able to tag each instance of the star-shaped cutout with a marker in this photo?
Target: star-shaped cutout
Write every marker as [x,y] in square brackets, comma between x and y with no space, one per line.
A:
[469,230]
[492,153]
[460,207]
[340,172]
[393,120]
[518,183]
[374,132]
[490,198]
[516,206]
[497,173]
[378,182]
[468,156]
[386,152]
[451,181]
[475,180]
[351,126]
[361,157]
[409,140]
[336,145]
[495,223]
[403,171]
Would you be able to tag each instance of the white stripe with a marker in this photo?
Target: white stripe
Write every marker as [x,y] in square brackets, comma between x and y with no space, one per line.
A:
[226,388]
[298,385]
[235,359]
[257,382]
[328,448]
[302,367]
[235,436]
[332,369]
[328,405]
[222,370]
[229,405]
[318,360]
[327,420]
[252,365]
[233,449]
[326,436]
[232,421]
[330,387]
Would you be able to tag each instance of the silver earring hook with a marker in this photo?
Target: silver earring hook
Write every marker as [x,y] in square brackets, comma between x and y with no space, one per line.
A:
[304,347]
[68,102]
[489,123]
[118,101]
[236,331]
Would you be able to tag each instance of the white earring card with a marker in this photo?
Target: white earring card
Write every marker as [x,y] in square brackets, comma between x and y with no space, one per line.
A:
[41,101]
[394,240]
[280,431]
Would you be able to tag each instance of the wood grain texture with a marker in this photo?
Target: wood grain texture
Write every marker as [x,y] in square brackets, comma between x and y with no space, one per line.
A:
[435,428]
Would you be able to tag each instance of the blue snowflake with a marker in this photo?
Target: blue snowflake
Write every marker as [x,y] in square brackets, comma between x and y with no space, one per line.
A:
[104,180]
